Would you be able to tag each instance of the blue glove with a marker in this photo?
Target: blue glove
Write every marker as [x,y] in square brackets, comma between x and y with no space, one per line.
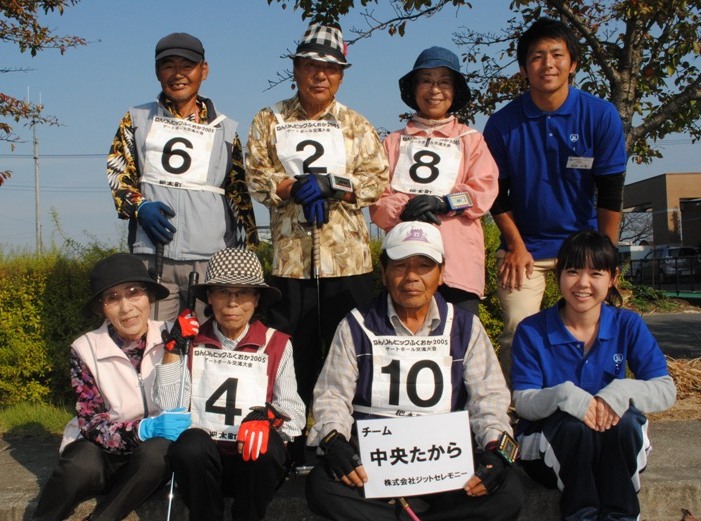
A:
[316,213]
[310,188]
[153,218]
[169,425]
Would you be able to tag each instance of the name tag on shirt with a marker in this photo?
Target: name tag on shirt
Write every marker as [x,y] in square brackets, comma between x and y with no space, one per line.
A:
[584,163]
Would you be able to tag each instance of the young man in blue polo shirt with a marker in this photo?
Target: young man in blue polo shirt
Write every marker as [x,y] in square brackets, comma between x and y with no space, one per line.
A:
[561,156]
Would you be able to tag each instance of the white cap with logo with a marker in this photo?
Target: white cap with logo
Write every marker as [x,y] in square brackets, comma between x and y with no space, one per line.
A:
[414,238]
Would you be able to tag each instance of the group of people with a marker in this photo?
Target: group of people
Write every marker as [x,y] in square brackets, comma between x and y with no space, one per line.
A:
[228,405]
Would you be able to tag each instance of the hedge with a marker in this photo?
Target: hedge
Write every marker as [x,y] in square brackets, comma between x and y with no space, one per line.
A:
[41,313]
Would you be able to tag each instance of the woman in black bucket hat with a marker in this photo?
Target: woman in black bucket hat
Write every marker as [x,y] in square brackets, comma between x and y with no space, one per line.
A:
[441,172]
[116,445]
[245,403]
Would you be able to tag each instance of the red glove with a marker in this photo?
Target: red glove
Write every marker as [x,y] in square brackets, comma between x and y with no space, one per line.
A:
[255,430]
[185,328]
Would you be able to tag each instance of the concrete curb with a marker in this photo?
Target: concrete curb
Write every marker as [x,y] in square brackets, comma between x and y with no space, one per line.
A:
[672,481]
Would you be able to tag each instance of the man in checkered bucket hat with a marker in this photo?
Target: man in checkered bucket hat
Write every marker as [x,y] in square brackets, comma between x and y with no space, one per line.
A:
[316,164]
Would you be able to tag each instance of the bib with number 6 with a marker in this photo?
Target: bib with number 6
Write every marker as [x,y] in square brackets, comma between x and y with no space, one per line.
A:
[178,152]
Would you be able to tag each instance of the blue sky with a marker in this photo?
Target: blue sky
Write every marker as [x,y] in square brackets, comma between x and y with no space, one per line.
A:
[90,88]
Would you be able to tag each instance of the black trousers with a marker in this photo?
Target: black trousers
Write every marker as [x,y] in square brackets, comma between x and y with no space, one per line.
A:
[205,476]
[297,314]
[85,470]
[597,472]
[334,500]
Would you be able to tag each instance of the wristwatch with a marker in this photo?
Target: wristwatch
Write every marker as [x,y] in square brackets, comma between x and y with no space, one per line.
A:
[506,447]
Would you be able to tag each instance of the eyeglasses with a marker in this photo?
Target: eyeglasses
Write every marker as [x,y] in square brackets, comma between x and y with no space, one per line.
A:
[132,294]
[427,84]
[237,294]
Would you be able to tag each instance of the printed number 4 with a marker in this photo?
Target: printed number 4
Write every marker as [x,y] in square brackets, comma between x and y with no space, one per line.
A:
[229,410]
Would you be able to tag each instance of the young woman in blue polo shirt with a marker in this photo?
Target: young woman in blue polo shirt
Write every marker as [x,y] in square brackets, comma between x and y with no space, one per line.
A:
[582,425]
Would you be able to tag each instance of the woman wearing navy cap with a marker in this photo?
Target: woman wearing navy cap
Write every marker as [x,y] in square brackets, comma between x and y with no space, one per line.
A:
[441,172]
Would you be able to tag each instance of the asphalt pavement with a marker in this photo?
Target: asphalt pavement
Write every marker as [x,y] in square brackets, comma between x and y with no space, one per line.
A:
[679,334]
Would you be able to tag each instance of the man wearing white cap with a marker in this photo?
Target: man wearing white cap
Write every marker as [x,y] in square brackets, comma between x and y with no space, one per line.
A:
[348,389]
[316,164]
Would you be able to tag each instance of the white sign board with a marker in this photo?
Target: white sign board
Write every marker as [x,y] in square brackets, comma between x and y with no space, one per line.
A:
[416,455]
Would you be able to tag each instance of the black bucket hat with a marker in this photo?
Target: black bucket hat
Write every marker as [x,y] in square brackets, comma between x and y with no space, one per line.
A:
[116,269]
[238,268]
[432,58]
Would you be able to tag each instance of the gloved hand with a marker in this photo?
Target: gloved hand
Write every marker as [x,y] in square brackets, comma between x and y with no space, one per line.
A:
[491,470]
[340,456]
[316,213]
[153,218]
[424,208]
[311,187]
[254,430]
[169,425]
[185,328]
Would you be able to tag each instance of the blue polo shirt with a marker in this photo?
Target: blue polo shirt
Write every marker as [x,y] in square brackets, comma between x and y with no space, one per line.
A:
[546,354]
[551,199]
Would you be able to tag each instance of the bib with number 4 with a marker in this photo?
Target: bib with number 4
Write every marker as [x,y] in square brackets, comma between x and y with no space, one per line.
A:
[226,384]
[411,374]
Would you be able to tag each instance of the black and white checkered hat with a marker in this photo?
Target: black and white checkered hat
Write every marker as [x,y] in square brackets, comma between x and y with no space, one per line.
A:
[238,268]
[322,43]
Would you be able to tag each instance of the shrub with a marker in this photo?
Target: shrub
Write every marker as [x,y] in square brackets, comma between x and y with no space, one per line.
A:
[41,301]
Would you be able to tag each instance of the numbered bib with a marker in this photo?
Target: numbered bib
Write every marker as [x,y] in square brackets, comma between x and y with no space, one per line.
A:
[226,384]
[178,152]
[426,165]
[310,147]
[411,374]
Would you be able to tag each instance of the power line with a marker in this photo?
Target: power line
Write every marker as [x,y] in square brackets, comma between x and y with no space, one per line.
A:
[58,189]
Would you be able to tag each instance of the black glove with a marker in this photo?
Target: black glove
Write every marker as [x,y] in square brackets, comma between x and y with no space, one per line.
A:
[424,208]
[491,469]
[340,456]
[184,329]
[310,188]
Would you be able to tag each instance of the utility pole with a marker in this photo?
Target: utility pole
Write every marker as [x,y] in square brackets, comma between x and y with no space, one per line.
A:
[37,205]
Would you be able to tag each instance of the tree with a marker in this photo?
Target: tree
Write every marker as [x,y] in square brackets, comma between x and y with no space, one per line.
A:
[642,55]
[636,227]
[20,25]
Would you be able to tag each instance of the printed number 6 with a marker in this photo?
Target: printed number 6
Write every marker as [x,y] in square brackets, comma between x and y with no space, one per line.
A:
[169,152]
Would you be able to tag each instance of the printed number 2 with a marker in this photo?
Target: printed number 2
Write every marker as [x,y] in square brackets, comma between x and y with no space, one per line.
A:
[318,152]
[412,376]
[229,410]
[420,157]
[169,152]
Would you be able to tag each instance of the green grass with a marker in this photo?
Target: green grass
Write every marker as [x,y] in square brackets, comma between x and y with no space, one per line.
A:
[33,419]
